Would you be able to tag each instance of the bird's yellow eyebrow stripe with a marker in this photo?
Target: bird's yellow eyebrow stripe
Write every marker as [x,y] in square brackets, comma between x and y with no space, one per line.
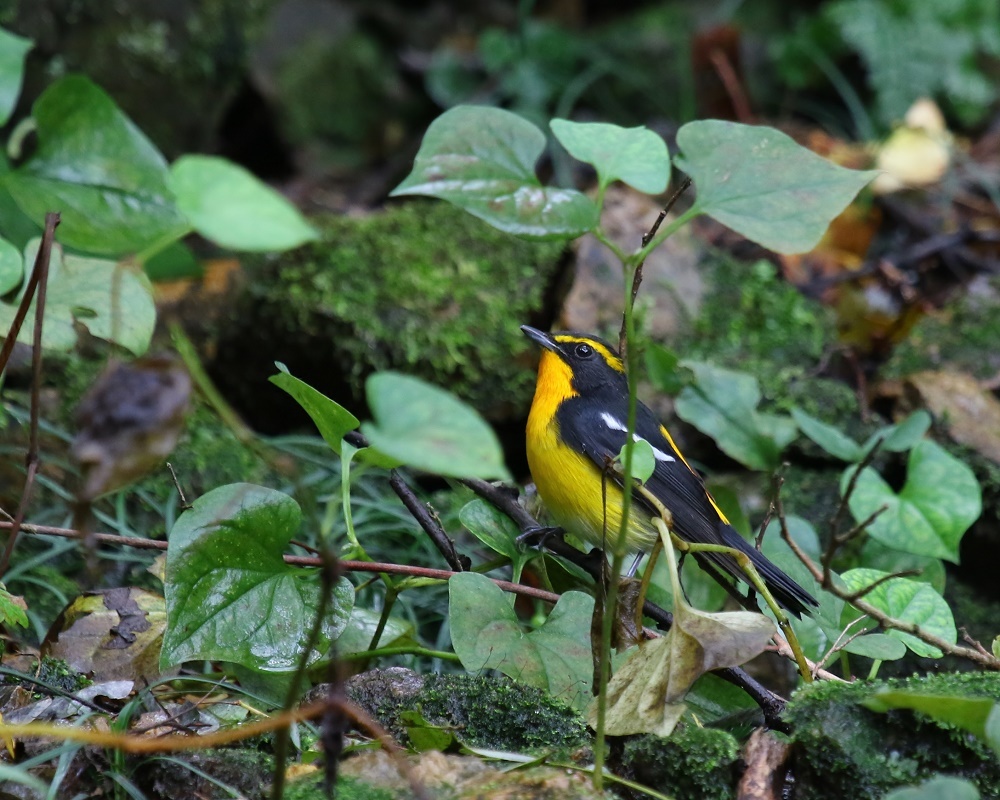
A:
[610,358]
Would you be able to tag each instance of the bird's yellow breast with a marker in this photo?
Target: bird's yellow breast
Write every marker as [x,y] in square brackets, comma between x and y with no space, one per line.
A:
[569,483]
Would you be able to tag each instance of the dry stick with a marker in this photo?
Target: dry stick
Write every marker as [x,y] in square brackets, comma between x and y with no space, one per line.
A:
[38,283]
[646,239]
[298,561]
[431,525]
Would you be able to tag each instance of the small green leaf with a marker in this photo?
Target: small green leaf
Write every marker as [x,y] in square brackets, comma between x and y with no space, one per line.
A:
[663,368]
[230,595]
[764,185]
[232,208]
[11,267]
[908,601]
[636,156]
[12,609]
[829,438]
[112,301]
[13,50]
[497,531]
[487,634]
[938,503]
[879,646]
[976,715]
[332,419]
[723,404]
[483,160]
[643,459]
[430,429]
[99,171]
[357,636]
[940,787]
[901,437]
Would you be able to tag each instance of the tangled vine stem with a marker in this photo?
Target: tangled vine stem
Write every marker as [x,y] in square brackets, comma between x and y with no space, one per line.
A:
[824,576]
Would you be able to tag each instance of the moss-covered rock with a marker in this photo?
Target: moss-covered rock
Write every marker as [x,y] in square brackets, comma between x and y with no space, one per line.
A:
[845,750]
[482,711]
[695,763]
[420,287]
[213,774]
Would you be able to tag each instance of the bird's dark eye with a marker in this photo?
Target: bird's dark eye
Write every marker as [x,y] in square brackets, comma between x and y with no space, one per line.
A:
[584,351]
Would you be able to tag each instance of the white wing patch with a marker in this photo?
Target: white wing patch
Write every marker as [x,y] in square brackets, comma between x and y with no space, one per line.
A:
[616,425]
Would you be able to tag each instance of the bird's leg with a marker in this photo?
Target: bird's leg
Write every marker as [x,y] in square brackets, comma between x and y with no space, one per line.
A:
[538,535]
[630,573]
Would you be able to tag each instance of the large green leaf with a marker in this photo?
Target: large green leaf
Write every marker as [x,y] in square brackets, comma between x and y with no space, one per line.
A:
[939,501]
[487,634]
[13,50]
[940,787]
[230,595]
[228,205]
[430,429]
[764,185]
[113,301]
[99,171]
[636,156]
[908,601]
[483,160]
[723,404]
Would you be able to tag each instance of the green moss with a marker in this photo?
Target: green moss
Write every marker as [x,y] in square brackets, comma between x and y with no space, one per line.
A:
[962,337]
[421,287]
[848,751]
[53,672]
[482,711]
[244,769]
[695,763]
[313,788]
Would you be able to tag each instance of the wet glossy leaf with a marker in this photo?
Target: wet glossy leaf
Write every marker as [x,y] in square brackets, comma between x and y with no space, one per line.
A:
[636,156]
[230,595]
[99,171]
[908,601]
[483,160]
[13,50]
[723,404]
[487,634]
[112,301]
[936,506]
[764,185]
[232,208]
[430,429]
[836,443]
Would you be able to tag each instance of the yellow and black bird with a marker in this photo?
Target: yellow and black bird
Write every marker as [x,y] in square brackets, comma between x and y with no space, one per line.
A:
[577,426]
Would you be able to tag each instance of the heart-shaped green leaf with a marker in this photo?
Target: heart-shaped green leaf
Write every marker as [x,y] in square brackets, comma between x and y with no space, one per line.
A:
[483,160]
[635,156]
[907,601]
[112,301]
[428,428]
[487,634]
[231,207]
[939,501]
[764,185]
[99,171]
[231,597]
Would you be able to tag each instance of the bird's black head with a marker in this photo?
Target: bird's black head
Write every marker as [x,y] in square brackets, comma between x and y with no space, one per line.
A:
[592,362]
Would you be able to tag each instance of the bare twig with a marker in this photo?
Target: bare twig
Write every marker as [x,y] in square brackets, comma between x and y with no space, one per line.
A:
[431,525]
[37,284]
[646,239]
[906,573]
[177,485]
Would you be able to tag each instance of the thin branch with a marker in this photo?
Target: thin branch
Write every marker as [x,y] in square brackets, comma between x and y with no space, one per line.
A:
[906,573]
[37,284]
[431,525]
[646,239]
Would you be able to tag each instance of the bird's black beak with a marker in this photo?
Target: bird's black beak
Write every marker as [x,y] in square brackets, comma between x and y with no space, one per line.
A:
[540,338]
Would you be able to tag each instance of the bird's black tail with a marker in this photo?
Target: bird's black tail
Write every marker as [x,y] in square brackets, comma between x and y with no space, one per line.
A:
[788,594]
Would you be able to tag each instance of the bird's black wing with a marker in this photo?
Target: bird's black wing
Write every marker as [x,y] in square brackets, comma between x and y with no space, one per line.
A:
[596,426]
